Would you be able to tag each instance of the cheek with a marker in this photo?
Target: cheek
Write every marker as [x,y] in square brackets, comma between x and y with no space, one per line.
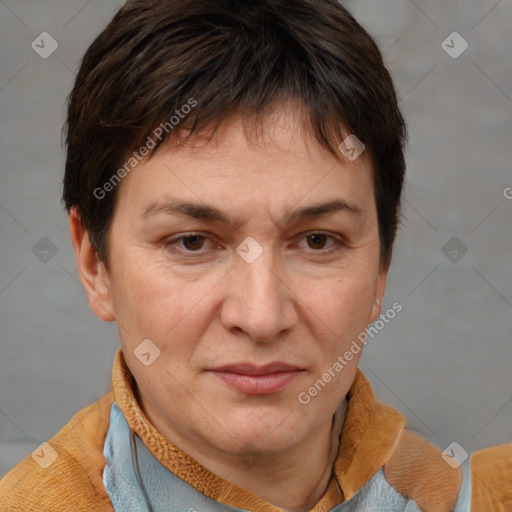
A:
[153,302]
[340,306]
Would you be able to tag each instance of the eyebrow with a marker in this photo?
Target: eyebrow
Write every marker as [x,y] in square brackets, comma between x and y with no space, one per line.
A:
[210,213]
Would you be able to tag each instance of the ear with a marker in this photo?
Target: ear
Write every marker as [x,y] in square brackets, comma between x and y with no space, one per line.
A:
[92,271]
[379,294]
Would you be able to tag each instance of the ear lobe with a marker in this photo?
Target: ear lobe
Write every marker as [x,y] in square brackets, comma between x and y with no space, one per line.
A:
[92,271]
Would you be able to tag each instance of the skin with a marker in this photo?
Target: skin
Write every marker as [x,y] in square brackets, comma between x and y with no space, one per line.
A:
[204,306]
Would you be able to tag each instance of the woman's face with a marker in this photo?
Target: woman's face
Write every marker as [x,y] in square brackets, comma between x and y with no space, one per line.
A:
[250,267]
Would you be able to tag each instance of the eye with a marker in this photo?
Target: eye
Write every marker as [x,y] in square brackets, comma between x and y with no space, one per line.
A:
[317,242]
[192,242]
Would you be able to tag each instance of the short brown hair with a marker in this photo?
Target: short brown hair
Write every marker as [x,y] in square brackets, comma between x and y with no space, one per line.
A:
[228,56]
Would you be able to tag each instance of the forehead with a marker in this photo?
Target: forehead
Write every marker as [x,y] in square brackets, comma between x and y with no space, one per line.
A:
[263,163]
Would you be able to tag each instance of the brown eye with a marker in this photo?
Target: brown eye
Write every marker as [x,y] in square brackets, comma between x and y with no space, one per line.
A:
[193,242]
[317,241]
[322,244]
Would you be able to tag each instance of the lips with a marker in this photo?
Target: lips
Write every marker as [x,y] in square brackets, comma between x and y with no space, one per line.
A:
[249,369]
[257,380]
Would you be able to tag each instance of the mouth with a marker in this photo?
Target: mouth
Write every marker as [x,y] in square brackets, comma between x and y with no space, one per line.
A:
[258,380]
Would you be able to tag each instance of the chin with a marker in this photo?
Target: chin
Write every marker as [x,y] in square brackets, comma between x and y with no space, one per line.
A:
[249,432]
[247,445]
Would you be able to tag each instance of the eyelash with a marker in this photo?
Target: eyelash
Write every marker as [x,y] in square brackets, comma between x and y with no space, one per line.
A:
[337,245]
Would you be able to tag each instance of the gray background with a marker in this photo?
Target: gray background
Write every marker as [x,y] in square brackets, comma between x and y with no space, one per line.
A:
[444,361]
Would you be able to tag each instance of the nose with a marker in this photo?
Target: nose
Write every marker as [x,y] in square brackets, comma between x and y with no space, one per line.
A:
[259,300]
